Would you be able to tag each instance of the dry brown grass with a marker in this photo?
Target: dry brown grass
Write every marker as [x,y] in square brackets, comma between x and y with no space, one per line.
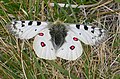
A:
[17,59]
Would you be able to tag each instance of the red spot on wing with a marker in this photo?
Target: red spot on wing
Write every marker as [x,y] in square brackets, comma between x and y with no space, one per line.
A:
[41,34]
[43,44]
[72,47]
[75,39]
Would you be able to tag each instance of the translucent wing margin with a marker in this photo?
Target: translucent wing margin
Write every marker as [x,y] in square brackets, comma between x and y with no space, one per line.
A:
[26,29]
[88,34]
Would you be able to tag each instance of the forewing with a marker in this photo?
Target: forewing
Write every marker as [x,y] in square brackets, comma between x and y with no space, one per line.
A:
[26,29]
[71,49]
[88,34]
[42,45]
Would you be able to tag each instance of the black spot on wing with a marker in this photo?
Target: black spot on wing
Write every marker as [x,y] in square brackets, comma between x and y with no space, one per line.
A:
[23,25]
[23,21]
[35,29]
[93,27]
[19,30]
[14,26]
[100,32]
[38,23]
[30,23]
[52,48]
[85,27]
[78,26]
[92,31]
[15,22]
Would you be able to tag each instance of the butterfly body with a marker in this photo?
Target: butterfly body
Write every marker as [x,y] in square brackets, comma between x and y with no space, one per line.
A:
[58,33]
[57,39]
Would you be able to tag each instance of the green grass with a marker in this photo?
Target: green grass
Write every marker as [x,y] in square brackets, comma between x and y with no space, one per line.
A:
[18,60]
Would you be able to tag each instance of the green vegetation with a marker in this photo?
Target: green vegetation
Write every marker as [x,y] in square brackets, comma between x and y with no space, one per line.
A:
[18,60]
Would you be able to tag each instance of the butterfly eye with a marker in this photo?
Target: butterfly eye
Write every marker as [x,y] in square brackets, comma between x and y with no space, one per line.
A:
[75,39]
[41,34]
[72,47]
[43,44]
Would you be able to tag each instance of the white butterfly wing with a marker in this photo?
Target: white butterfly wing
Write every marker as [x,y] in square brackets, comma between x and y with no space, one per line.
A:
[71,49]
[88,34]
[26,29]
[42,45]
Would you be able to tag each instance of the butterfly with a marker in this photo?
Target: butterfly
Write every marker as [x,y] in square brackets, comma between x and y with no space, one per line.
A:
[57,39]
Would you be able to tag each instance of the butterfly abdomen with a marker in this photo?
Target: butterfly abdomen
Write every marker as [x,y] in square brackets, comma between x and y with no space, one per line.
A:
[58,33]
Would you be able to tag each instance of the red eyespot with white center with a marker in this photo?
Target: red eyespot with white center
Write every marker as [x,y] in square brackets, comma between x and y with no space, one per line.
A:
[41,34]
[75,39]
[43,44]
[72,47]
